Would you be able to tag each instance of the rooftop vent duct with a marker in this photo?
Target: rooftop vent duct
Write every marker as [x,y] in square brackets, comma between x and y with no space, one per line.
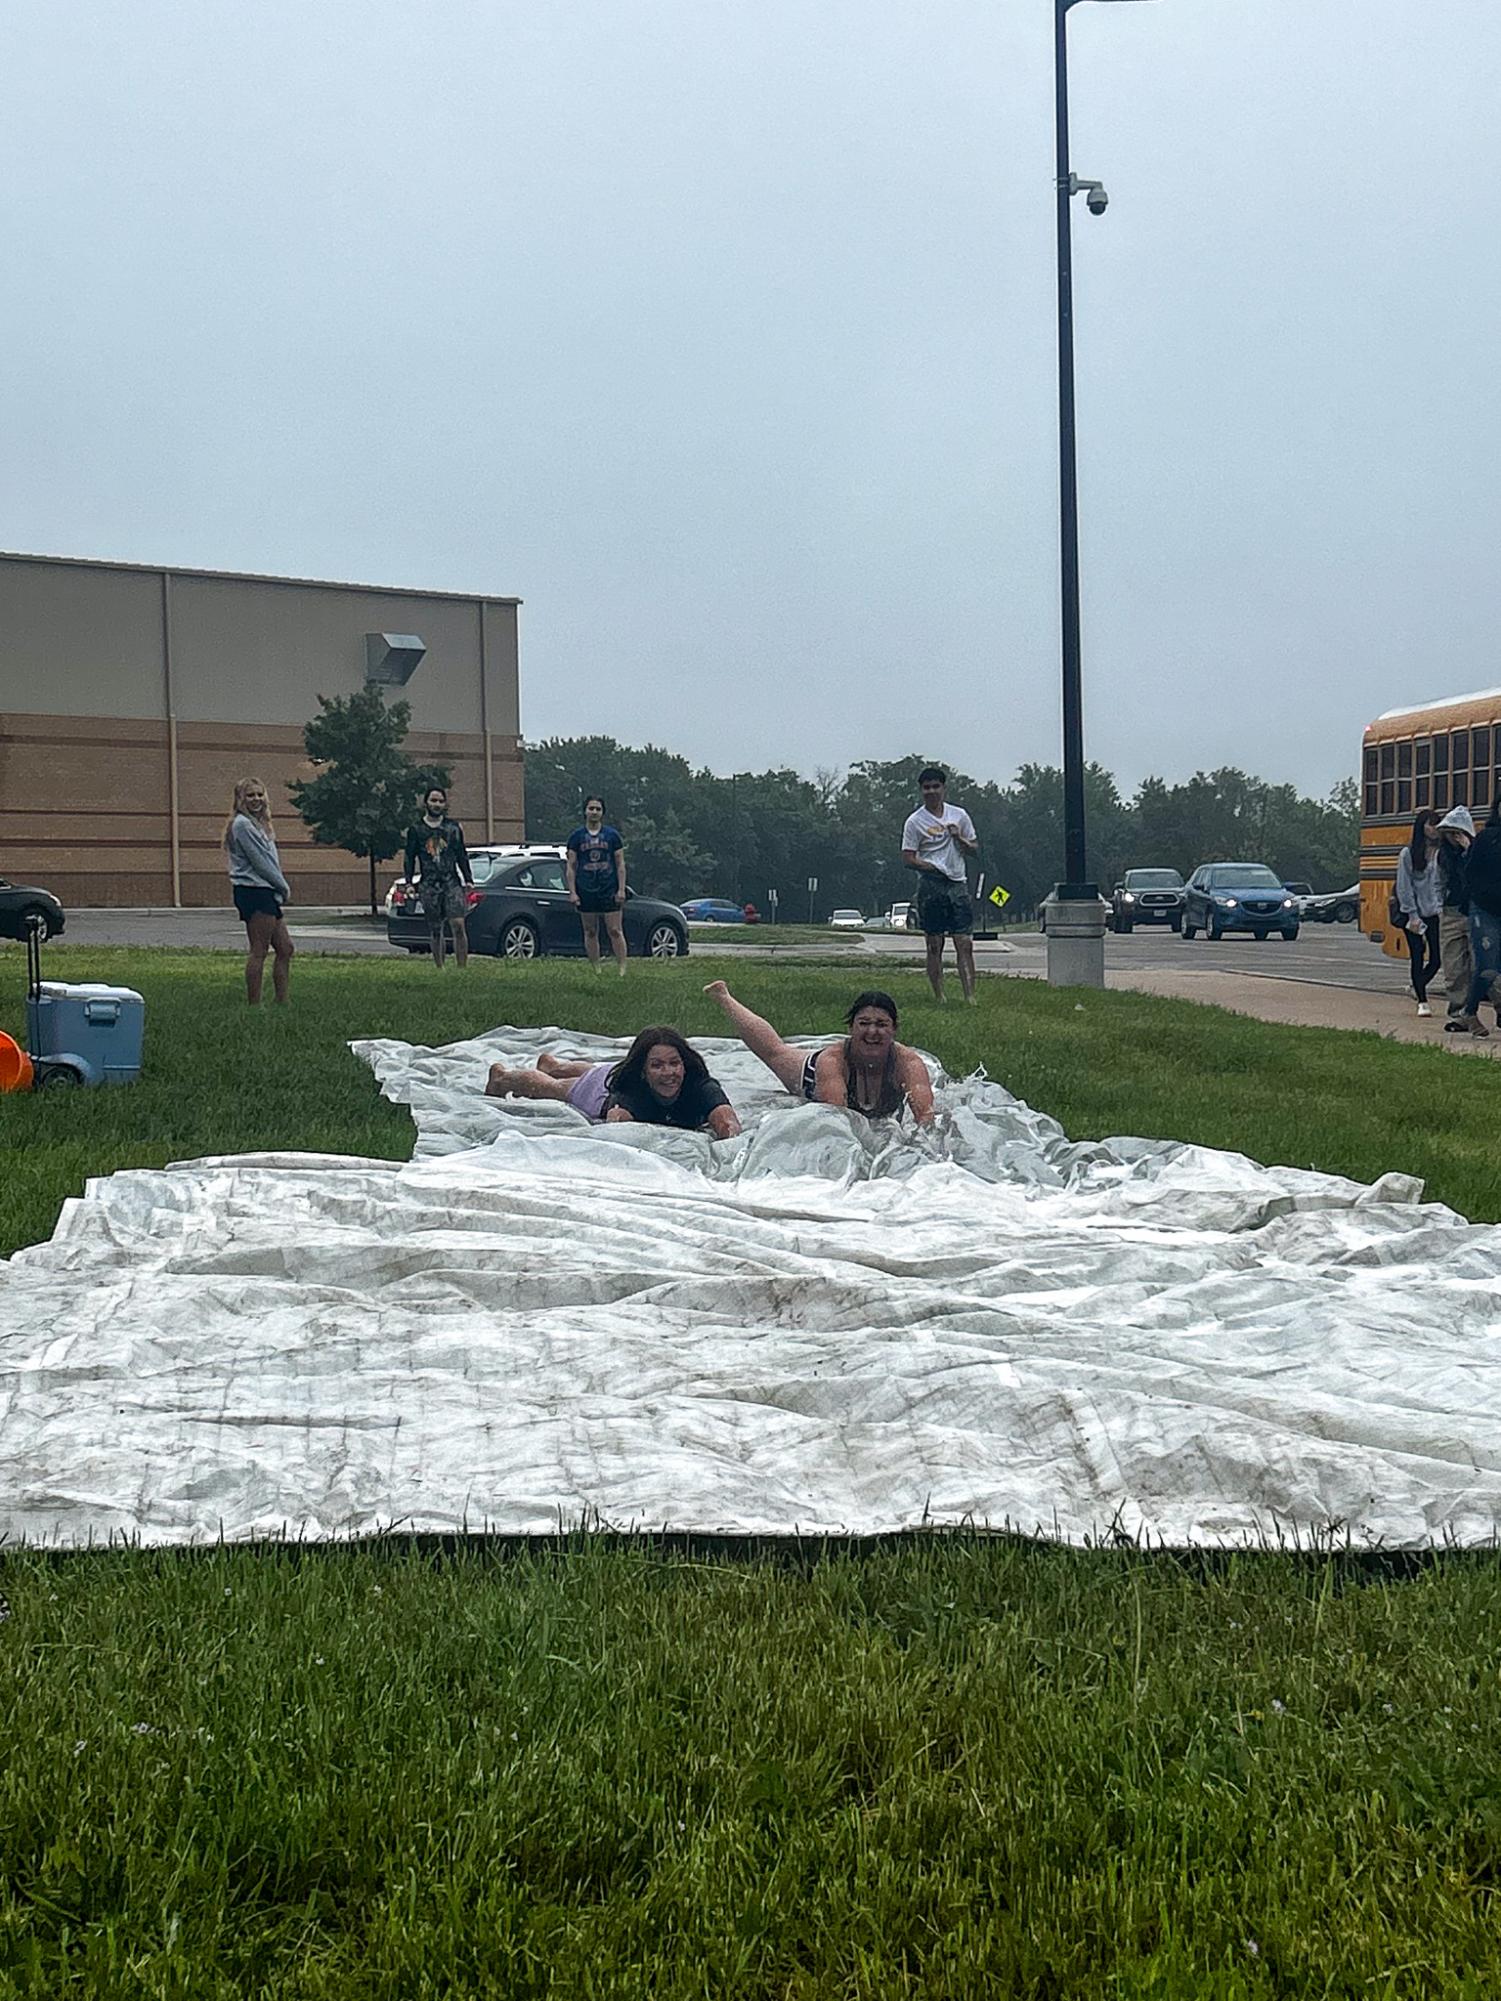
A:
[392,658]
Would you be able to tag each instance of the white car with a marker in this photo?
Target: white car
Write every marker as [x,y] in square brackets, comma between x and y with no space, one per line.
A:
[899,916]
[481,862]
[847,920]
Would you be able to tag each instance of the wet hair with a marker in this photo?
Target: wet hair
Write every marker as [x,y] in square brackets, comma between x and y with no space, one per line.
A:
[242,786]
[1421,836]
[594,800]
[872,997]
[629,1073]
[932,771]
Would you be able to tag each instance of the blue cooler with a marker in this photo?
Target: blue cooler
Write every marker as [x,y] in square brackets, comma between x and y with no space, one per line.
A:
[95,1032]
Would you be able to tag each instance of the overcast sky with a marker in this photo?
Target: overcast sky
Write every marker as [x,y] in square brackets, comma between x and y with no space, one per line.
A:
[723,335]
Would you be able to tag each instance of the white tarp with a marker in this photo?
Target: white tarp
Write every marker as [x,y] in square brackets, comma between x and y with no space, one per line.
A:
[819,1327]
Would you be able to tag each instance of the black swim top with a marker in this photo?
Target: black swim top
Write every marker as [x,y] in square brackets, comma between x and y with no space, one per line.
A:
[889,1099]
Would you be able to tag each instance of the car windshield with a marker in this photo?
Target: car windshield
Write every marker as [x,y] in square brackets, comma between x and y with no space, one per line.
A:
[847,913]
[482,867]
[1153,878]
[1244,875]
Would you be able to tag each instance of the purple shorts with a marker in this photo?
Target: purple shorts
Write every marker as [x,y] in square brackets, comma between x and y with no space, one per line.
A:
[590,1091]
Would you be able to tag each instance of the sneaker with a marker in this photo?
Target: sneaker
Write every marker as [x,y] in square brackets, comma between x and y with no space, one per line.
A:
[1456,1025]
[1476,1028]
[1424,1011]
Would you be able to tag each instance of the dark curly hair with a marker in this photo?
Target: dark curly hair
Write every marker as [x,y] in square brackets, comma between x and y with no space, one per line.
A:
[872,997]
[629,1073]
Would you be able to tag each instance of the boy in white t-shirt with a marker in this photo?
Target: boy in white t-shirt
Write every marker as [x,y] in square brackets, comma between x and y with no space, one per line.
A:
[935,842]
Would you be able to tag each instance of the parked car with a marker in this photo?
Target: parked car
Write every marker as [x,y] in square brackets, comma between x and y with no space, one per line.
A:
[718,910]
[522,911]
[22,905]
[1340,906]
[902,917]
[1238,896]
[482,862]
[1147,896]
[847,920]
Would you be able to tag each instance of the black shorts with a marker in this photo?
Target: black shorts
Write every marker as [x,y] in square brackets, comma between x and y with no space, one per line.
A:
[944,908]
[597,903]
[255,902]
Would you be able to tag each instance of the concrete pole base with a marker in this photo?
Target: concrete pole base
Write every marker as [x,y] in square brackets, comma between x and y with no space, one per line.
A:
[1076,942]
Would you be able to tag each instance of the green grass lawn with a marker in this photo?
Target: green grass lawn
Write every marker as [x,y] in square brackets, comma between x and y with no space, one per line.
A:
[942,1767]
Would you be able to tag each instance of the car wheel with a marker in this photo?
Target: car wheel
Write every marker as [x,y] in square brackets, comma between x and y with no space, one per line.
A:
[1289,937]
[518,940]
[1176,923]
[39,919]
[665,941]
[1187,930]
[1124,927]
[1261,936]
[1345,913]
[1214,933]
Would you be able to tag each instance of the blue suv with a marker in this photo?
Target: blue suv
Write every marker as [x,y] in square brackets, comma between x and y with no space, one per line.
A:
[1238,896]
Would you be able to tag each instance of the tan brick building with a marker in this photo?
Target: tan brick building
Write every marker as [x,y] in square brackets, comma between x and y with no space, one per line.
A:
[132,698]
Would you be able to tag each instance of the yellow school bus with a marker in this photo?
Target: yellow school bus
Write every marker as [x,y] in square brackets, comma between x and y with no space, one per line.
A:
[1443,754]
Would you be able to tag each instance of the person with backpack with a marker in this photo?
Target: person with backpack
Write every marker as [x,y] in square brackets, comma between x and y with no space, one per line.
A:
[1420,896]
[1483,888]
[1455,832]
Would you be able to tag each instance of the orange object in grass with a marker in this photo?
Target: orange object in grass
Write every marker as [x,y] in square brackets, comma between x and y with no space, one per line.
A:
[15,1066]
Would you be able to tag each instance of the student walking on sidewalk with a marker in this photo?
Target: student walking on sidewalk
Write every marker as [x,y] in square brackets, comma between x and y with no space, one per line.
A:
[1483,888]
[1421,895]
[1455,832]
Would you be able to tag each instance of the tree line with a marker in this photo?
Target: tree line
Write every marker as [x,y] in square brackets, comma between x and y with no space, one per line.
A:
[694,833]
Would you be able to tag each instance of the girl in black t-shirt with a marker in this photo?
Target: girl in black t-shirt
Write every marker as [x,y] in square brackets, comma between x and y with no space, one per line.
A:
[663,1081]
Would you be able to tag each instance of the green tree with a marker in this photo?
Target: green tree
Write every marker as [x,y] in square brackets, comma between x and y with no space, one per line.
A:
[364,791]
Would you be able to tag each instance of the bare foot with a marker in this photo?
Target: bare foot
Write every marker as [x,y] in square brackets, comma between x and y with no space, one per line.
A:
[499,1083]
[548,1064]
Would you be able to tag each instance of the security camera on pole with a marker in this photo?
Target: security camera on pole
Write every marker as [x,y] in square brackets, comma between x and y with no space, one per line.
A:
[1075,911]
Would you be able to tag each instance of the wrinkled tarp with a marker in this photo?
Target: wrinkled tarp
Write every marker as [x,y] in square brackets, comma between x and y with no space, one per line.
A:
[823,1326]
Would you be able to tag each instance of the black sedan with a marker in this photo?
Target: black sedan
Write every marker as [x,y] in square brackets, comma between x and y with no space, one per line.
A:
[21,906]
[521,911]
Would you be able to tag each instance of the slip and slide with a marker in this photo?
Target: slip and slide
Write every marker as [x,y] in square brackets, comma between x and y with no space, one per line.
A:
[826,1324]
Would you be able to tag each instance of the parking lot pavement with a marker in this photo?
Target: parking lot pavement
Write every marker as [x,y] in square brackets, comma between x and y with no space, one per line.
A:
[313,930]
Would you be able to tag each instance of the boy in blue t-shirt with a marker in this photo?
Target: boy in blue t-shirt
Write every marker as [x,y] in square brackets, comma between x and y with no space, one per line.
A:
[596,881]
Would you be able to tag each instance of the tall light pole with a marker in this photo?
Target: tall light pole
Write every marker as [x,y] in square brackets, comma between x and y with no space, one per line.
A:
[1081,959]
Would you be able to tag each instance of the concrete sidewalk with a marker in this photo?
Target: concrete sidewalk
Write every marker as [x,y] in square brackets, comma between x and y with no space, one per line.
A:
[1302,1004]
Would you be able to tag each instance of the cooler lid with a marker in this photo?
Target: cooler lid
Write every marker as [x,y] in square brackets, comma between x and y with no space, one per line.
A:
[87,990]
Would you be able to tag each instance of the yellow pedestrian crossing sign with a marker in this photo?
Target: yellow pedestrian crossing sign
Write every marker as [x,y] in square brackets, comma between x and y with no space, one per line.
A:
[1000,897]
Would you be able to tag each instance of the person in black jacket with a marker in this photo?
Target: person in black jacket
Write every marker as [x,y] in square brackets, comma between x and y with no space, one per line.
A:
[438,861]
[1483,888]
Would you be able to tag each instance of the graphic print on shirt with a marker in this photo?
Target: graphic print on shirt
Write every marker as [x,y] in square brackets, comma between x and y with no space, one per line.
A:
[594,860]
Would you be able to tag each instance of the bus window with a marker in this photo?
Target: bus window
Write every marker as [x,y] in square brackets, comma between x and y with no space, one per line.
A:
[1441,753]
[1388,760]
[1368,773]
[1404,760]
[1460,789]
[1459,747]
[1424,755]
[1480,749]
[1441,791]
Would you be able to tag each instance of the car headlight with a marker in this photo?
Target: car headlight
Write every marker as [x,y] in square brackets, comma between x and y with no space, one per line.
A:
[1289,903]
[1225,902]
[1127,897]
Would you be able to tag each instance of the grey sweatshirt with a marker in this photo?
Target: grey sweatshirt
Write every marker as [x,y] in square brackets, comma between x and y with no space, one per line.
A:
[253,860]
[1420,892]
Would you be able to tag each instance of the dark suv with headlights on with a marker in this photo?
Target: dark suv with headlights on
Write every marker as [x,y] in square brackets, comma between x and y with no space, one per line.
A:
[1147,896]
[1238,896]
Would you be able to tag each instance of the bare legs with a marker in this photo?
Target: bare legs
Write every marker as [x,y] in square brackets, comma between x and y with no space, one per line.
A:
[964,959]
[439,937]
[554,1077]
[590,919]
[268,934]
[784,1062]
